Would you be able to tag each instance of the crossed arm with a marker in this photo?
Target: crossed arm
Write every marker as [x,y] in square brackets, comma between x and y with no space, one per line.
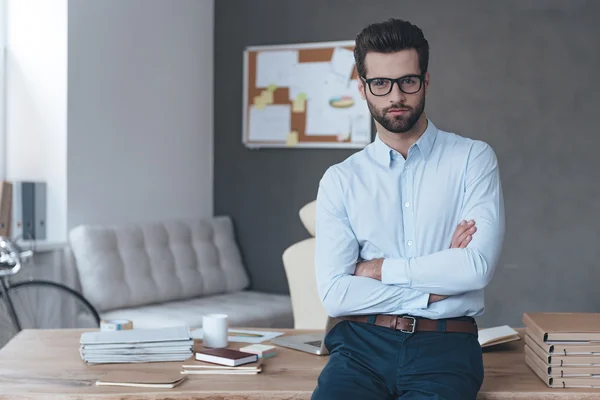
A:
[387,285]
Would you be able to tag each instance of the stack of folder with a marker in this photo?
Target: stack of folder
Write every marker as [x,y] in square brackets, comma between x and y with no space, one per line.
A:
[563,349]
[136,346]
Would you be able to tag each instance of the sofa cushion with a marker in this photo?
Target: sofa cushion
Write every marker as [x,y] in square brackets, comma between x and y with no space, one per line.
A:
[244,308]
[127,266]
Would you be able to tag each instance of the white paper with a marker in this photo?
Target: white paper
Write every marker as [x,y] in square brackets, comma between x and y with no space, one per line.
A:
[264,335]
[324,120]
[309,78]
[272,123]
[276,68]
[342,62]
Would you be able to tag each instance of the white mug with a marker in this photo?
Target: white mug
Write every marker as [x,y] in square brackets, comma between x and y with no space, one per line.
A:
[214,330]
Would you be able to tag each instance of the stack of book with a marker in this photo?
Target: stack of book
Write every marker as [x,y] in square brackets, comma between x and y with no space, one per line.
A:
[563,349]
[136,346]
[223,361]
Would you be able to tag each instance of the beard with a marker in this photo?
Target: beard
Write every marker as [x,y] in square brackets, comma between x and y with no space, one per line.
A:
[397,123]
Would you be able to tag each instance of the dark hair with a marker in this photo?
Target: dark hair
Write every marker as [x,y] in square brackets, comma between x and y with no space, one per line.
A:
[388,37]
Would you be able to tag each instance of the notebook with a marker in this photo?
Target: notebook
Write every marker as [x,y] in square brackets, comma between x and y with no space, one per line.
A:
[497,335]
[202,368]
[165,380]
[562,382]
[228,357]
[170,334]
[547,327]
[565,348]
[136,346]
[561,372]
[559,360]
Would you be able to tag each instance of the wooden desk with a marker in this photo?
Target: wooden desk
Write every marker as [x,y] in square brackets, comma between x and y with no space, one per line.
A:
[46,365]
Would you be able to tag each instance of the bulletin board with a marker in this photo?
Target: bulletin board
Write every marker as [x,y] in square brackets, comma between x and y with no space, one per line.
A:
[303,96]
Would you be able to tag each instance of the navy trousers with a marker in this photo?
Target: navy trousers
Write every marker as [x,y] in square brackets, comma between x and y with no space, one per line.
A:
[373,362]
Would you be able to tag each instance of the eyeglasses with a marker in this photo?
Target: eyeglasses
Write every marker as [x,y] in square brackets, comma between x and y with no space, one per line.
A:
[408,84]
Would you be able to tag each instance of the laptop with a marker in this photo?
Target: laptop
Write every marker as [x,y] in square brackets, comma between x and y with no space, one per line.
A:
[313,343]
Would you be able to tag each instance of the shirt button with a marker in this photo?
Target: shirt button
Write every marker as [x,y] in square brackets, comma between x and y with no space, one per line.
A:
[407,167]
[407,204]
[409,243]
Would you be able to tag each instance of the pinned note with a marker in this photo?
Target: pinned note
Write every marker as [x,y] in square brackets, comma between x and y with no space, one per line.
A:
[259,102]
[292,138]
[267,96]
[299,103]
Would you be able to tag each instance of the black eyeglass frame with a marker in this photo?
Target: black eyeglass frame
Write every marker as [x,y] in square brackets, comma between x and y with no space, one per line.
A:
[397,81]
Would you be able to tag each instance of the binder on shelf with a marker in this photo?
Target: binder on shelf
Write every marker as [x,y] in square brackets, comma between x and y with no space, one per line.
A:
[28,208]
[40,211]
[16,228]
[5,207]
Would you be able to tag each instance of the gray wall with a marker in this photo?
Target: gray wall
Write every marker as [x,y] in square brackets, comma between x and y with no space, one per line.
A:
[521,75]
[140,109]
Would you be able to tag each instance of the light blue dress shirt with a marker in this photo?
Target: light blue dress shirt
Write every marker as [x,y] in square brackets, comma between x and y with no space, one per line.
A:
[377,204]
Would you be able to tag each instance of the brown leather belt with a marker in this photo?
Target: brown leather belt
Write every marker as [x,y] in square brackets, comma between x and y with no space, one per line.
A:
[409,324]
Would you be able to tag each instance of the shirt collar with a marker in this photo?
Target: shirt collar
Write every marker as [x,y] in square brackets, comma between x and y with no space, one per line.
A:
[384,154]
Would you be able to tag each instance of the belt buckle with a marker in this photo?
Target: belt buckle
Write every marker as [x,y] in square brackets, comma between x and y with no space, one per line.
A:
[414,325]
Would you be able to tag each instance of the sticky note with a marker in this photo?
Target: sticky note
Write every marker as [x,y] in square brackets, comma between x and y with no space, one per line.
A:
[267,97]
[271,88]
[292,138]
[259,103]
[299,105]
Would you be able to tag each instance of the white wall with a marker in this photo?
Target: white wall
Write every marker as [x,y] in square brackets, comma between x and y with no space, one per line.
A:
[140,110]
[36,101]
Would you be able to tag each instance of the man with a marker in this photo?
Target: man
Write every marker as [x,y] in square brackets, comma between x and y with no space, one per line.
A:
[396,259]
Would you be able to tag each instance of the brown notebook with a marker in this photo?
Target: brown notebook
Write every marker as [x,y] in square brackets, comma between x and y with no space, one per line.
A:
[229,357]
[546,327]
[165,380]
[566,348]
[561,372]
[562,382]
[557,360]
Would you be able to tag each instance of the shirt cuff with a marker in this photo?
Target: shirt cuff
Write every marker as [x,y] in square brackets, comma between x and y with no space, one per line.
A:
[394,271]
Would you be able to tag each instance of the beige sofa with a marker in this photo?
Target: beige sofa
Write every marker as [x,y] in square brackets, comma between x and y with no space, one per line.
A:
[299,264]
[171,273]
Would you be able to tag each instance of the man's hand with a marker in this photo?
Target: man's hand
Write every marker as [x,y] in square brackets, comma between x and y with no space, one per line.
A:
[463,234]
[370,269]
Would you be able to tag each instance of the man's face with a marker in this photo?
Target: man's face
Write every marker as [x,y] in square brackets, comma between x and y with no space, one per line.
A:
[397,112]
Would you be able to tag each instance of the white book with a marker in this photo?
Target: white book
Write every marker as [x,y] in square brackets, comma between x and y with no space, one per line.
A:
[152,350]
[140,346]
[137,359]
[136,336]
[497,335]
